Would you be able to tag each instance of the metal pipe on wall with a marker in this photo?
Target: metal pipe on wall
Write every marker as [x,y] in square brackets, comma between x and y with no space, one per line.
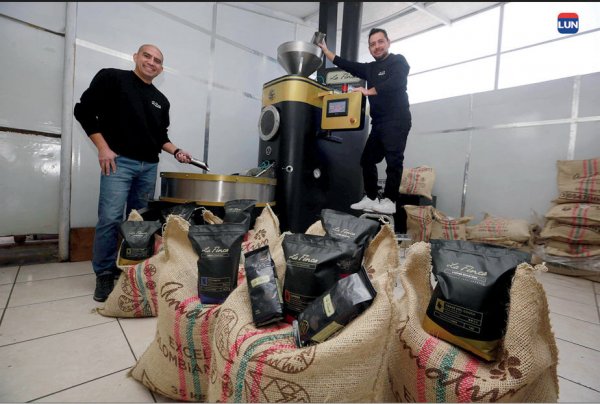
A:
[64,203]
[351,24]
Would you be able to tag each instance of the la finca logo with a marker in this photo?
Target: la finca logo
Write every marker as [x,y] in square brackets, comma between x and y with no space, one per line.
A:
[568,23]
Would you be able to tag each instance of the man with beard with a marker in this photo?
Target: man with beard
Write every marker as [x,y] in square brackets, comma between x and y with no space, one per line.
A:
[386,79]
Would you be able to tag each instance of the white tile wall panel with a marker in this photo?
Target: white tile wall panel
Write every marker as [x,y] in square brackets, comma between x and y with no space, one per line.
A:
[587,141]
[589,98]
[255,31]
[233,143]
[513,171]
[30,167]
[249,72]
[446,154]
[31,79]
[48,15]
[186,49]
[535,102]
[441,115]
[196,13]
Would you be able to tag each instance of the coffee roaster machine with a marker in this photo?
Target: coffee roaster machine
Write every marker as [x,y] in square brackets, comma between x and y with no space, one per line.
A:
[312,132]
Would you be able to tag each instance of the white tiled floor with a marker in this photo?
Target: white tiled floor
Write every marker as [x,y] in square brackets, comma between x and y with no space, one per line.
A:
[54,347]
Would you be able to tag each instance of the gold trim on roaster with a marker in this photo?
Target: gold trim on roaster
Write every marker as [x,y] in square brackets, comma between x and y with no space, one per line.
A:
[216,177]
[293,88]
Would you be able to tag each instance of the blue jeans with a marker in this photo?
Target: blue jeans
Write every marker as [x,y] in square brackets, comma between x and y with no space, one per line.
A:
[131,187]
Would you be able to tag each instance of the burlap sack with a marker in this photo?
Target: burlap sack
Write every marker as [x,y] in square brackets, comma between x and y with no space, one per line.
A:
[498,228]
[177,362]
[578,181]
[419,222]
[418,181]
[571,234]
[252,364]
[561,249]
[575,214]
[447,228]
[426,369]
[134,294]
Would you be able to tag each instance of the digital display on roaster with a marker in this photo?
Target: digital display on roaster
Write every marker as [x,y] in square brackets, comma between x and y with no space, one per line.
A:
[337,107]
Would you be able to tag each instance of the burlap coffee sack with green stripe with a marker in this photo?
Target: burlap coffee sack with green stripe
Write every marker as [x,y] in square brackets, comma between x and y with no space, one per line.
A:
[578,181]
[419,222]
[177,362]
[575,214]
[427,369]
[252,364]
[562,249]
[446,228]
[134,294]
[571,234]
[499,228]
[418,181]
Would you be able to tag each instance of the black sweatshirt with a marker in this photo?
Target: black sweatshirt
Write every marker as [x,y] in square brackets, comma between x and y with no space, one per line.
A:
[131,115]
[389,78]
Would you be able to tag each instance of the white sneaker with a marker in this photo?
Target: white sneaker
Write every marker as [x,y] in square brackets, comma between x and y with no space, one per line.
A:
[366,204]
[385,206]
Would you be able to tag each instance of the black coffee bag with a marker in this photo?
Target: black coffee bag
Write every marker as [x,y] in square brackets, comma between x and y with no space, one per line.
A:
[240,211]
[219,248]
[138,240]
[469,305]
[335,309]
[313,264]
[263,287]
[346,227]
[185,210]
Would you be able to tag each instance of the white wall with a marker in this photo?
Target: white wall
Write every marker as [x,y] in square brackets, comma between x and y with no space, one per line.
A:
[496,151]
[30,116]
[217,57]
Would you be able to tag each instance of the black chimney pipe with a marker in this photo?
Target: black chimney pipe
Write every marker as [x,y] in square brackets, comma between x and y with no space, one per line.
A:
[351,30]
[328,25]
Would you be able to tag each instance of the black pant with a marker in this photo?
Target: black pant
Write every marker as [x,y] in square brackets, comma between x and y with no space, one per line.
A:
[387,140]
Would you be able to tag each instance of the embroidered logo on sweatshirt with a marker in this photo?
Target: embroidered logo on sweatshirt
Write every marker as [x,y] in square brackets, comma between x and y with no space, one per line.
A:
[381,73]
[156,104]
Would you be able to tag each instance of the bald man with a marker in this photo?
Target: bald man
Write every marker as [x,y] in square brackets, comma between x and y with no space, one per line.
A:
[126,117]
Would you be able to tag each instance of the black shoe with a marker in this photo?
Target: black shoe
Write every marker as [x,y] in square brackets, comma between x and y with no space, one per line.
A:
[104,285]
[116,273]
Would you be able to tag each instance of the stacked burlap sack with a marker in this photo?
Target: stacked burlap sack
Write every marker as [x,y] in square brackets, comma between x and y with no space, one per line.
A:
[505,232]
[424,368]
[424,223]
[418,181]
[570,239]
[215,353]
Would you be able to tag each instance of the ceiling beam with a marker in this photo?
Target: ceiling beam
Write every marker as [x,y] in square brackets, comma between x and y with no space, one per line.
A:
[267,12]
[437,15]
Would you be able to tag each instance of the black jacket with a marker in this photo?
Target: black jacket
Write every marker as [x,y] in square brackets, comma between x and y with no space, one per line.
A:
[131,115]
[389,78]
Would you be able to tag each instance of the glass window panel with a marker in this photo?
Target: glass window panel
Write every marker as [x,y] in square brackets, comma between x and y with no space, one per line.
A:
[467,39]
[570,57]
[466,78]
[530,23]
